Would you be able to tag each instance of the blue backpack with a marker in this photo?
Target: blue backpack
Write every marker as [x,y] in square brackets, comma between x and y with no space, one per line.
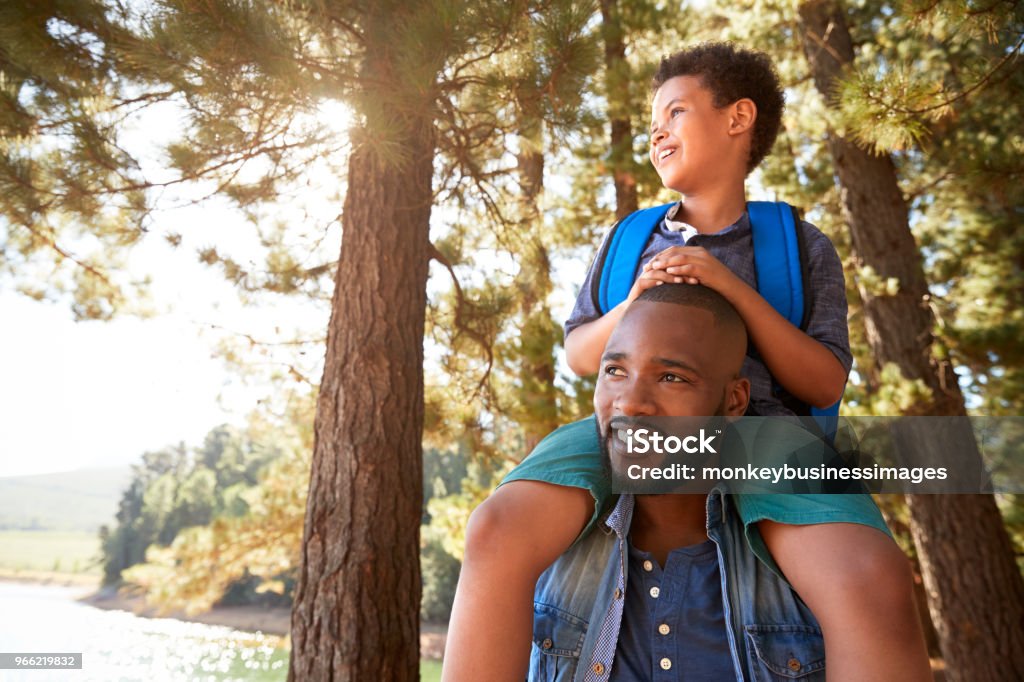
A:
[778,261]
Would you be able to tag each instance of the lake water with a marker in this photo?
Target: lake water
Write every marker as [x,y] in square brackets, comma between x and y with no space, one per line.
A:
[119,646]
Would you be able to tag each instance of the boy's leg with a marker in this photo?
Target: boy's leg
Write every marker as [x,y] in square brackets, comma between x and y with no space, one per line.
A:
[511,539]
[857,582]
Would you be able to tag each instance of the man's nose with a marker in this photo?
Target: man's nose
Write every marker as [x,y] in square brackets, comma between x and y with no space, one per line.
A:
[635,400]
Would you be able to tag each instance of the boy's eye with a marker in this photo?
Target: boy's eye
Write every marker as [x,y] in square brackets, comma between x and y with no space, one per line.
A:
[677,110]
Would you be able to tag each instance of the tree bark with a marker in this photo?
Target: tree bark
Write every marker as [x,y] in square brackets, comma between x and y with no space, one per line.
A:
[356,609]
[975,592]
[617,87]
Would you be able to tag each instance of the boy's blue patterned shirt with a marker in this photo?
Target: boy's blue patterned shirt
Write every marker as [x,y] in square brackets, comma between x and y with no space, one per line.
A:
[734,248]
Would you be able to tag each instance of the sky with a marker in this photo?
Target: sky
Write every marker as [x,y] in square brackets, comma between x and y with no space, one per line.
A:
[89,394]
[96,394]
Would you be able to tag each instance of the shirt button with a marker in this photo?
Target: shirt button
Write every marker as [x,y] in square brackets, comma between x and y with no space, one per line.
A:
[665,664]
[655,592]
[648,566]
[618,593]
[547,644]
[664,629]
[598,668]
[794,664]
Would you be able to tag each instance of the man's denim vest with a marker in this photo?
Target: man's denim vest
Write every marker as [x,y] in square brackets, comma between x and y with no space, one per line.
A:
[577,607]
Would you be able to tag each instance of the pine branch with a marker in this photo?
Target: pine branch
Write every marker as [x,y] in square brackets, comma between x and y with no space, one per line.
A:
[461,304]
[822,42]
[257,342]
[960,96]
[64,253]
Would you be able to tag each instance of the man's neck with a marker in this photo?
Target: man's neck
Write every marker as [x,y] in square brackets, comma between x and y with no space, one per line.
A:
[662,523]
[713,210]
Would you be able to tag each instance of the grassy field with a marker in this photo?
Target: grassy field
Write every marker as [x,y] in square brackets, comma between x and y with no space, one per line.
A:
[44,550]
[430,671]
[71,500]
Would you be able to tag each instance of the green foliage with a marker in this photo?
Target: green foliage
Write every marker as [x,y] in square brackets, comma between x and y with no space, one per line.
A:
[173,490]
[440,571]
[443,473]
[245,541]
[70,196]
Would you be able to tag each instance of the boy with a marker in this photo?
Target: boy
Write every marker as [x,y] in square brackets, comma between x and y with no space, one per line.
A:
[715,115]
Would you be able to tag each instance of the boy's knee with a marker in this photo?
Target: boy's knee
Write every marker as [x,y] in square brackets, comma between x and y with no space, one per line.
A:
[527,524]
[878,573]
[487,526]
[841,563]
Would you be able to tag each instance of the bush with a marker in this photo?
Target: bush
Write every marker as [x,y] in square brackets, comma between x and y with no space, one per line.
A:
[440,576]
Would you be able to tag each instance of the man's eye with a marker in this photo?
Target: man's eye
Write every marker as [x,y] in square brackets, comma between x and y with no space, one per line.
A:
[614,371]
[675,379]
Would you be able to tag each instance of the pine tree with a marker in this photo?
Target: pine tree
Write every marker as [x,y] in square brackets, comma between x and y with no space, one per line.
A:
[248,78]
[975,609]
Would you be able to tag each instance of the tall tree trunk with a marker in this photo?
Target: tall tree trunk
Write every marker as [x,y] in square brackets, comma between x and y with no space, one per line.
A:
[617,74]
[356,609]
[975,592]
[538,409]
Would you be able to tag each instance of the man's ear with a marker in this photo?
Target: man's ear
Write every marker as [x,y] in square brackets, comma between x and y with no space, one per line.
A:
[737,396]
[742,114]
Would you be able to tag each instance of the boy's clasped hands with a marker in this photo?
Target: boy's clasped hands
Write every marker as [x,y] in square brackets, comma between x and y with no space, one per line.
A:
[690,265]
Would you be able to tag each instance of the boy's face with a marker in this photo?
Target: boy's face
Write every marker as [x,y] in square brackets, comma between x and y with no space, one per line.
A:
[695,146]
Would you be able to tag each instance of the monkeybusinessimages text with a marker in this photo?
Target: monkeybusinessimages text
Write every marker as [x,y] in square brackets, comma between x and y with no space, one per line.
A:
[644,442]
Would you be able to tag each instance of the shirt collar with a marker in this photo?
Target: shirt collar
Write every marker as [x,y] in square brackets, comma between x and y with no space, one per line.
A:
[685,229]
[688,231]
[621,515]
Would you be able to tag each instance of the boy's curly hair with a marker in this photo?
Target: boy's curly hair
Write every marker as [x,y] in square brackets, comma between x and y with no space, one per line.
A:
[731,74]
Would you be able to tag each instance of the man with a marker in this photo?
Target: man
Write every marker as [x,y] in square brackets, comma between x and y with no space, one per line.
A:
[668,588]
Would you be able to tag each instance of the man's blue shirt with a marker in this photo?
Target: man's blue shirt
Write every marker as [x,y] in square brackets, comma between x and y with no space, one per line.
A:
[673,619]
[579,605]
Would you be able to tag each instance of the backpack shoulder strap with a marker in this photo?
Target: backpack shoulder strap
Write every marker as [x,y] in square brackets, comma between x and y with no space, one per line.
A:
[779,259]
[781,265]
[621,255]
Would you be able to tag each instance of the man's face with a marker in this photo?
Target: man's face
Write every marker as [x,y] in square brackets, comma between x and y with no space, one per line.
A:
[689,136]
[667,360]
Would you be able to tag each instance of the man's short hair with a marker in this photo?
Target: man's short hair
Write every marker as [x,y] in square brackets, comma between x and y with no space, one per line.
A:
[697,296]
[730,74]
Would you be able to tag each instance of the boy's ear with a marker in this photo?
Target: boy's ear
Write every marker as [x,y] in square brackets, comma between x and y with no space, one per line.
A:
[742,114]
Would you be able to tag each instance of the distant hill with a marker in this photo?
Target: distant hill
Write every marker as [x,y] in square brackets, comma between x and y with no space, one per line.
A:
[71,501]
